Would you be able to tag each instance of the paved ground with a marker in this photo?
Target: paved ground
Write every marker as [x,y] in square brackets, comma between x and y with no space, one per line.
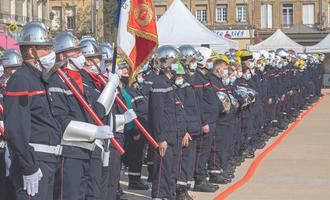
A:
[299,168]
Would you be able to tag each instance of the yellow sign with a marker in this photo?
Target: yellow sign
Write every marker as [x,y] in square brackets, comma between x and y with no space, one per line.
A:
[12,28]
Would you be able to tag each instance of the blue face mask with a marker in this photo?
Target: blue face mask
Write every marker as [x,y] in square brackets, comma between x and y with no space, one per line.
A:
[225,73]
[140,80]
[174,67]
[232,79]
[226,82]
[209,66]
[247,76]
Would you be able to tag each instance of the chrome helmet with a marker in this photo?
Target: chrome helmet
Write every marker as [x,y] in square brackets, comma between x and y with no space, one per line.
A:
[34,33]
[91,47]
[66,41]
[107,51]
[12,58]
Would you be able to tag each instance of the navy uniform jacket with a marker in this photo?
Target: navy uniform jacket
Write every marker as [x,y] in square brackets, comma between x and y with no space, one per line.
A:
[218,86]
[162,110]
[139,103]
[180,114]
[206,98]
[66,107]
[191,109]
[29,119]
[149,80]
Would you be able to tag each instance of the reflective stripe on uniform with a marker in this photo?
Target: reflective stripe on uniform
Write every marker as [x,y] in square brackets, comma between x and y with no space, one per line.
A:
[137,98]
[181,183]
[201,85]
[60,90]
[148,82]
[162,90]
[25,93]
[185,85]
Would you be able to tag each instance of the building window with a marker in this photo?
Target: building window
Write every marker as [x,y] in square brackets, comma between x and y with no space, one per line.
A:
[56,18]
[329,14]
[70,18]
[24,9]
[39,5]
[287,15]
[267,16]
[308,14]
[201,15]
[12,8]
[241,13]
[221,13]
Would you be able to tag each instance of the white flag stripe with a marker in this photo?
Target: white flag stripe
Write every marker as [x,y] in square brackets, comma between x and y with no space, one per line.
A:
[125,40]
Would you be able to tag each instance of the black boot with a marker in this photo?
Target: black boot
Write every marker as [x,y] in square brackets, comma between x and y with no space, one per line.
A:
[205,186]
[181,196]
[138,185]
[219,179]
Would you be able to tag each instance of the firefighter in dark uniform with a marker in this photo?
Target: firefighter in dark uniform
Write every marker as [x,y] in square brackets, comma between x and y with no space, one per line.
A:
[112,181]
[218,161]
[163,124]
[11,61]
[94,67]
[136,142]
[34,141]
[82,139]
[189,127]
[150,75]
[208,105]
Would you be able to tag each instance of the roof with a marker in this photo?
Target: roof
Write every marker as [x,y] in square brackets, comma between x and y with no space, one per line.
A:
[179,27]
[276,41]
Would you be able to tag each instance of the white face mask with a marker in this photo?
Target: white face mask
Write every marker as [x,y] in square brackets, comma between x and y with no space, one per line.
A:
[239,74]
[94,69]
[48,61]
[193,66]
[79,62]
[179,81]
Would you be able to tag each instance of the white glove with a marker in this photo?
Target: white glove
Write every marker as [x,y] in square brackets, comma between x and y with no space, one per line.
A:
[31,182]
[114,78]
[2,143]
[129,116]
[104,132]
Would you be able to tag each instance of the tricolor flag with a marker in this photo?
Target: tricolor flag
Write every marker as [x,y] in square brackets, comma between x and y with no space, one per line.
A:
[137,36]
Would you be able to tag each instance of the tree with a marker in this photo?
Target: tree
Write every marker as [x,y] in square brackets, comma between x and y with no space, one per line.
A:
[109,14]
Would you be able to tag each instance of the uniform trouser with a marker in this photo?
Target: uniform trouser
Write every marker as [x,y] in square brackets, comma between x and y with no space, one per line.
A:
[247,128]
[114,168]
[46,184]
[94,184]
[105,183]
[72,178]
[150,161]
[7,191]
[236,137]
[203,151]
[163,174]
[220,148]
[134,153]
[186,166]
[177,154]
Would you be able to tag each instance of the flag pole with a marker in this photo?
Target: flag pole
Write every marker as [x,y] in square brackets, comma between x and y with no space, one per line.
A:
[153,143]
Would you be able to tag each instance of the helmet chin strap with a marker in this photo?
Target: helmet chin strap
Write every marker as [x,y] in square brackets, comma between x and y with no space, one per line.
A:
[36,57]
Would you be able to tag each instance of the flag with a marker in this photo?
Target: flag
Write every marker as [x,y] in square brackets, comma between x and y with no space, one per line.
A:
[137,36]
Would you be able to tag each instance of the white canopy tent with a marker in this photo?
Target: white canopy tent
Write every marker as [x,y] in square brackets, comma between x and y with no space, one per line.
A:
[276,41]
[322,47]
[179,27]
